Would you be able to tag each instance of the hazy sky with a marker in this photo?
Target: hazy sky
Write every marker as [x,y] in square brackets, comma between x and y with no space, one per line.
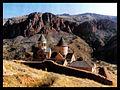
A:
[19,9]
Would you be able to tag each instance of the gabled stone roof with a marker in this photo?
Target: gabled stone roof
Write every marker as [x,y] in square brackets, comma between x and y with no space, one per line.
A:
[81,64]
[42,38]
[62,43]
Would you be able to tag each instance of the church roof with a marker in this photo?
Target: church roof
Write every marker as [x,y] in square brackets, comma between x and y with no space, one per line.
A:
[42,38]
[82,64]
[62,43]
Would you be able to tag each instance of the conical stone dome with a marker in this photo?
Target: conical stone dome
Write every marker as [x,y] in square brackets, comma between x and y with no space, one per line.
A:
[62,43]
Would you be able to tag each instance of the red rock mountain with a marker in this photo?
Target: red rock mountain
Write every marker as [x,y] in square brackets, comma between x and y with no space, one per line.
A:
[33,24]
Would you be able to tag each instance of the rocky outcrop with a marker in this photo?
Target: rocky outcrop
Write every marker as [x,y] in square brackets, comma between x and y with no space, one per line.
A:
[97,27]
[35,23]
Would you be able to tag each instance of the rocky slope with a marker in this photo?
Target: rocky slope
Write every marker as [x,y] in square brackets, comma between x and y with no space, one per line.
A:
[110,49]
[99,16]
[99,26]
[86,17]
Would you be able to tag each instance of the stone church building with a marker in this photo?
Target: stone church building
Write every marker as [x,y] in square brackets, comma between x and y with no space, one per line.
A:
[41,52]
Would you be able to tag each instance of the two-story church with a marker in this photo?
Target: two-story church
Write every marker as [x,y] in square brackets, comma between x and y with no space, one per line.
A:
[41,52]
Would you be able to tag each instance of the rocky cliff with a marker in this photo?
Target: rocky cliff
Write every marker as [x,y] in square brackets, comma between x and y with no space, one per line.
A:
[35,23]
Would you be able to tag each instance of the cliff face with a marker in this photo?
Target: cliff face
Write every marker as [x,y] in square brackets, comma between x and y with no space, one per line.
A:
[35,23]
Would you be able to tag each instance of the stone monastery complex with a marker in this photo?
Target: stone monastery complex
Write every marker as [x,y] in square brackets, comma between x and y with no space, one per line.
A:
[61,56]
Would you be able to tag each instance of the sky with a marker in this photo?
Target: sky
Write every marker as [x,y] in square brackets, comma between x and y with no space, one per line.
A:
[20,9]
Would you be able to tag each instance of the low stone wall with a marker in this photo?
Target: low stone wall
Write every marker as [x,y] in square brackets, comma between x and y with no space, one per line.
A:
[54,67]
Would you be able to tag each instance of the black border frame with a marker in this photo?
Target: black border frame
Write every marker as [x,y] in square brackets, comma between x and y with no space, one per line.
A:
[57,1]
